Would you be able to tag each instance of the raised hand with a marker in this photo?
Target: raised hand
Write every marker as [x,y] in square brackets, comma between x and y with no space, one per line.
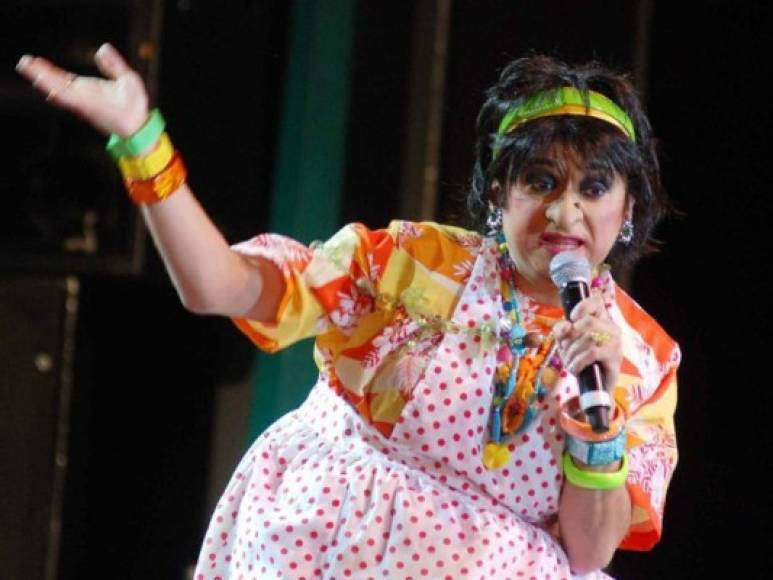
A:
[116,104]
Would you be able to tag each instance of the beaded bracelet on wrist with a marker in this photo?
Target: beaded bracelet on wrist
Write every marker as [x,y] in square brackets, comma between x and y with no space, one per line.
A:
[598,453]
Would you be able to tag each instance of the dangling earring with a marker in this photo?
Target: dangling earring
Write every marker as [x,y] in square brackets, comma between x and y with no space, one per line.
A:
[494,224]
[494,219]
[626,232]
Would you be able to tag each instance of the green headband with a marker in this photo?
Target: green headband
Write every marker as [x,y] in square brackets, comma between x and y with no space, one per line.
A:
[567,101]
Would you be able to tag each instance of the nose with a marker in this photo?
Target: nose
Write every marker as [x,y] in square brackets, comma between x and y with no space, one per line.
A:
[564,208]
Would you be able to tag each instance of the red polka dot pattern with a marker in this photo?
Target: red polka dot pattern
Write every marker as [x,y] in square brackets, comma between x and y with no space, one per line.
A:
[321,494]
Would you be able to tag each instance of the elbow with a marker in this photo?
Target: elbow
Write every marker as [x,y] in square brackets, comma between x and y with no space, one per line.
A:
[586,557]
[213,303]
[590,557]
[589,563]
[194,307]
[195,303]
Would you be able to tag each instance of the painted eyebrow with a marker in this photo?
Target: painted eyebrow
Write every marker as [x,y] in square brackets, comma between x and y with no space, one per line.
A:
[592,168]
[536,161]
[597,166]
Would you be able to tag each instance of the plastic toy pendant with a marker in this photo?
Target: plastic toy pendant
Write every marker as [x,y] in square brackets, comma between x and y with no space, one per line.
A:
[528,417]
[496,425]
[495,455]
[505,355]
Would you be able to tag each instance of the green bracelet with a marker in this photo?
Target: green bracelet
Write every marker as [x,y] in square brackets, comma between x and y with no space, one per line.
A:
[595,479]
[135,144]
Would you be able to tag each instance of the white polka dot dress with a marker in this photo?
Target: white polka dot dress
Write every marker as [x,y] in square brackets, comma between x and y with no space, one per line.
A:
[322,494]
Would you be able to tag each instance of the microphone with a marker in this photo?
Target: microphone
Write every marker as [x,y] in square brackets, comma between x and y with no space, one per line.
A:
[571,272]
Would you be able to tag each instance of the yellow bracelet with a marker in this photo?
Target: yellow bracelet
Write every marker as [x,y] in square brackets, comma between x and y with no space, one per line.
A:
[150,165]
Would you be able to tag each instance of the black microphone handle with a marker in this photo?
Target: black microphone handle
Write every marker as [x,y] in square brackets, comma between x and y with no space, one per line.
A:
[598,415]
[591,378]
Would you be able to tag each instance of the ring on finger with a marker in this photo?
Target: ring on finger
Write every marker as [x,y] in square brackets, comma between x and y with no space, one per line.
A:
[55,92]
[601,337]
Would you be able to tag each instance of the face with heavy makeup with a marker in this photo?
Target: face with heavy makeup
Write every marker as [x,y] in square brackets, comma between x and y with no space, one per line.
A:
[560,202]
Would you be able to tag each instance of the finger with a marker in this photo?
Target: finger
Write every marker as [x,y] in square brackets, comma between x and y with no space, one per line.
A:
[610,368]
[590,324]
[582,359]
[40,72]
[110,62]
[584,325]
[605,306]
[561,329]
[46,77]
[579,347]
[590,306]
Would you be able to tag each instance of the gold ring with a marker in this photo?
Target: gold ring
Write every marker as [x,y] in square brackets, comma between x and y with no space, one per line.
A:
[601,337]
[54,92]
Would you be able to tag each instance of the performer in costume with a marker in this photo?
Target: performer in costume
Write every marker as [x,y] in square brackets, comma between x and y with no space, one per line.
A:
[443,438]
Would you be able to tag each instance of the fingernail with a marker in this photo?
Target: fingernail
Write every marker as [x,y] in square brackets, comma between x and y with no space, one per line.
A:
[23,61]
[103,50]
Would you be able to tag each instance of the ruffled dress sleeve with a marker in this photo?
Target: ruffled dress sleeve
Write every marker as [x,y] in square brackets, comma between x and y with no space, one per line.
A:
[648,392]
[334,286]
[362,294]
[328,286]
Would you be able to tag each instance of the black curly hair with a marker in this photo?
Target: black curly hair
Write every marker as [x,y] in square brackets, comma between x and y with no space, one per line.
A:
[587,137]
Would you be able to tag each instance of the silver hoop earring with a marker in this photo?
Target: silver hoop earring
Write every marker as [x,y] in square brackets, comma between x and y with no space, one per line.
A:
[494,219]
[626,232]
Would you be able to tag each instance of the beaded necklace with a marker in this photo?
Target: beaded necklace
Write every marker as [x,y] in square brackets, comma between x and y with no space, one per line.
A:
[518,386]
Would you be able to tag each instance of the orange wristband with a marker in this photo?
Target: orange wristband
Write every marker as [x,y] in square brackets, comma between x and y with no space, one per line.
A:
[160,186]
[582,430]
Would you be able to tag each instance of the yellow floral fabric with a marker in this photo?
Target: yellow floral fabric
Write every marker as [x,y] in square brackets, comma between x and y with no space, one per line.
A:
[360,293]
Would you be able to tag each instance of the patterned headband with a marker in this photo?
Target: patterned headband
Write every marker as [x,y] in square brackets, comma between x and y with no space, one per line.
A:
[566,101]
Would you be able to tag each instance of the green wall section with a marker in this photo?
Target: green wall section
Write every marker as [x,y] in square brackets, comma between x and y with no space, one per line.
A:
[306,199]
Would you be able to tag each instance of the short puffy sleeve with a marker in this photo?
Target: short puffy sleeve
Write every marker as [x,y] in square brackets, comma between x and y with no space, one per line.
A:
[328,286]
[648,392]
[364,294]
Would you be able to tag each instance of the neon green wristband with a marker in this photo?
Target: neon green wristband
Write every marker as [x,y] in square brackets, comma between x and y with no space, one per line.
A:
[595,479]
[140,141]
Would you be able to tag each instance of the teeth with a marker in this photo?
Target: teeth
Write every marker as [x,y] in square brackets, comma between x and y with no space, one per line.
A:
[562,243]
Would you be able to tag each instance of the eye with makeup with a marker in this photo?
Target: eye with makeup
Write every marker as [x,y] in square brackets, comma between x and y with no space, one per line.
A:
[594,187]
[540,182]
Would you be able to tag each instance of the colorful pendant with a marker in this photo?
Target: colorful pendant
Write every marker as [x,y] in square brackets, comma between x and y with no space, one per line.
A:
[517,386]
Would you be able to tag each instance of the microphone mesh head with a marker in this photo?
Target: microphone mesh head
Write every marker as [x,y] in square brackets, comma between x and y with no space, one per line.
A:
[568,266]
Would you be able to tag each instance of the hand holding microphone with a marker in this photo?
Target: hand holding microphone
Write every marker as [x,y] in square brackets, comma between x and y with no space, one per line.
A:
[589,341]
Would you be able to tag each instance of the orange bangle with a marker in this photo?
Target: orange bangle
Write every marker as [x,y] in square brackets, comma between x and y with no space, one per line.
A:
[160,186]
[582,430]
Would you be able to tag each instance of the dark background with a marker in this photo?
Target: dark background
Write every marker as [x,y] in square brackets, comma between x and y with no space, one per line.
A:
[146,372]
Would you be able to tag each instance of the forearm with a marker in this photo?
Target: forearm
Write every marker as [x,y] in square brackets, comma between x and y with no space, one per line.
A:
[209,277]
[592,524]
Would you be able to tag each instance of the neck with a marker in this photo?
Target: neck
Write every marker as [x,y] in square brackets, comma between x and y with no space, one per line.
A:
[543,291]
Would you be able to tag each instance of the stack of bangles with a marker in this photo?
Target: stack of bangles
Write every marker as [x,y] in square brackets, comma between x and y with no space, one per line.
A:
[594,449]
[151,167]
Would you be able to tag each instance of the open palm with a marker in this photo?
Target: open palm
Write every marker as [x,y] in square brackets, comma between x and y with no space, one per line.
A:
[116,104]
